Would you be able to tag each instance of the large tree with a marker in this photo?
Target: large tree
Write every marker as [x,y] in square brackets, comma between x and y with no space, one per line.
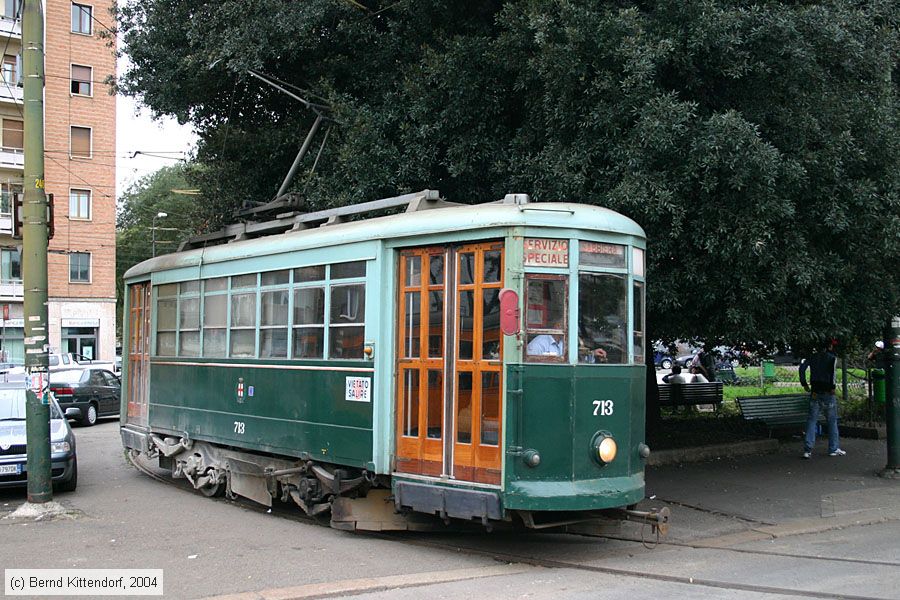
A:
[757,143]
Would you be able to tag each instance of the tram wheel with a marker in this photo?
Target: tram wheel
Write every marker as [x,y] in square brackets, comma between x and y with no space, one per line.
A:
[212,490]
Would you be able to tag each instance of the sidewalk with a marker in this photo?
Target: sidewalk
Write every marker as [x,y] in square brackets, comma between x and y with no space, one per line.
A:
[777,493]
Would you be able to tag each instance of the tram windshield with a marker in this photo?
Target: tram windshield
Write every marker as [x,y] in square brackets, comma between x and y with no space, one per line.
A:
[602,318]
[606,299]
[545,322]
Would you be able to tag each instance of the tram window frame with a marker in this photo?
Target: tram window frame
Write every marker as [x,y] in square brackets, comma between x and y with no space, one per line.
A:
[317,328]
[639,309]
[216,287]
[616,338]
[166,294]
[241,287]
[273,337]
[330,277]
[189,292]
[531,333]
[619,264]
[353,322]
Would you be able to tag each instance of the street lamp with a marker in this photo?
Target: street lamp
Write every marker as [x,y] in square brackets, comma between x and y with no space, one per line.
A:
[159,215]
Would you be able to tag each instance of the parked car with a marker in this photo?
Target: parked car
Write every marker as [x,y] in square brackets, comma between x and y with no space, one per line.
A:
[96,392]
[13,456]
[662,360]
[684,360]
[66,360]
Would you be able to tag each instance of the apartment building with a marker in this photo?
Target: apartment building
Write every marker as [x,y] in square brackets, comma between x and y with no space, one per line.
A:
[79,168]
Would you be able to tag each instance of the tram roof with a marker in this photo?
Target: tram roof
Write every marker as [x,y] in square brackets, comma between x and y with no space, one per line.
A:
[452,218]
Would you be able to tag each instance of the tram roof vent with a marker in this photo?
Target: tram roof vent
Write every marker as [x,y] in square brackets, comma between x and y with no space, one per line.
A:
[517,199]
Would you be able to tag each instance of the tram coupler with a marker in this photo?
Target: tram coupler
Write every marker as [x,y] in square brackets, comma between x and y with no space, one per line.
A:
[657,519]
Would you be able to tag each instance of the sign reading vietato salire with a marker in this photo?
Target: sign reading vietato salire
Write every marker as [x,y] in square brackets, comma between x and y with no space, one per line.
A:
[542,252]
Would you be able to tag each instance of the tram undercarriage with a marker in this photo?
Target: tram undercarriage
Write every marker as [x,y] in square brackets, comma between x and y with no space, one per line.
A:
[356,499]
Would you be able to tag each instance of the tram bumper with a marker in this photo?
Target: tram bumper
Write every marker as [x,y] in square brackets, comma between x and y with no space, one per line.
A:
[578,495]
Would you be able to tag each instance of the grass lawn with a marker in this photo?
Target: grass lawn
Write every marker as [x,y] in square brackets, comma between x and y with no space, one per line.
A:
[683,428]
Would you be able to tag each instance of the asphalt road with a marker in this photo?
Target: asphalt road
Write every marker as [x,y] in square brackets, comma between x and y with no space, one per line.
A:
[837,538]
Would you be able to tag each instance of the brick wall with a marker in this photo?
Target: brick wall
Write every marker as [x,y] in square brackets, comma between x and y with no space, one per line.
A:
[64,173]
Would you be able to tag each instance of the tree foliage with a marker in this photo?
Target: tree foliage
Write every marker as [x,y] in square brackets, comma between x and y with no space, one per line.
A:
[757,143]
[135,222]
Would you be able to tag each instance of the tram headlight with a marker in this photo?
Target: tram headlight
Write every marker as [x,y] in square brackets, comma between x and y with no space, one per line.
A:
[606,449]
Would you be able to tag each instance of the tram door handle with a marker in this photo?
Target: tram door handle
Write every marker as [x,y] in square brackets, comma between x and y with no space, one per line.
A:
[515,399]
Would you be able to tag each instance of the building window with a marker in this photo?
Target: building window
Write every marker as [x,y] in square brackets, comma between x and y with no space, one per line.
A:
[81,142]
[12,345]
[80,267]
[81,341]
[9,70]
[81,18]
[11,8]
[81,80]
[79,204]
[8,193]
[10,266]
[13,134]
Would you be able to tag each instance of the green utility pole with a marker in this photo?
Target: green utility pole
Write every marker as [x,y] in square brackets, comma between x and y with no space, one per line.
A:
[34,256]
[892,398]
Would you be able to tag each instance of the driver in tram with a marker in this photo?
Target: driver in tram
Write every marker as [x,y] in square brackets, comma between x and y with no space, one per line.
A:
[547,345]
[554,344]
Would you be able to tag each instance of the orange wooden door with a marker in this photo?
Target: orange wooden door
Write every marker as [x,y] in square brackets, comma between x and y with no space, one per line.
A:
[420,361]
[138,352]
[478,367]
[449,369]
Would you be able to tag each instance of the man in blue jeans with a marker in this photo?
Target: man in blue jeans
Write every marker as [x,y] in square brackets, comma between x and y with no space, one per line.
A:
[821,387]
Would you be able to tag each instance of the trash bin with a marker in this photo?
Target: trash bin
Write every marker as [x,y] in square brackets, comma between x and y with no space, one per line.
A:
[768,367]
[878,383]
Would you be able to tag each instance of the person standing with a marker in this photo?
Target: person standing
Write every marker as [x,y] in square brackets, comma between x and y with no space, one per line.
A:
[821,387]
[705,364]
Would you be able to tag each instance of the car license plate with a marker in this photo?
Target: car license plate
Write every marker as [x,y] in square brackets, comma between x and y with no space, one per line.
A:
[10,469]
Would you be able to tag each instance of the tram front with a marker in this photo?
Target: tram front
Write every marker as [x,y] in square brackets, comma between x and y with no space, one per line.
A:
[575,392]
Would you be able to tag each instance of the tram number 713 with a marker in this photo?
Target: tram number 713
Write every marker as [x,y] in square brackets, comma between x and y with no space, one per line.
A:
[239,427]
[604,408]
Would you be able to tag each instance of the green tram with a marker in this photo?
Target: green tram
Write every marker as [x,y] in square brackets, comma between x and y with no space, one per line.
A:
[477,362]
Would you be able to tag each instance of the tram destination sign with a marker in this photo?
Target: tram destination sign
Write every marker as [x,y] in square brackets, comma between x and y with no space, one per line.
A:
[543,252]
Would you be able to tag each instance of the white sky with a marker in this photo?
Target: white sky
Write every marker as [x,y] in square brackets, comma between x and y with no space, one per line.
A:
[137,132]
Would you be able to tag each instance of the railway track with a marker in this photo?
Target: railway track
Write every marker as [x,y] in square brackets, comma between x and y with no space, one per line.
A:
[291,513]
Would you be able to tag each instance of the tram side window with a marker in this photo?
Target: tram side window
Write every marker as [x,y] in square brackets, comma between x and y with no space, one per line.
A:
[309,322]
[215,317]
[345,322]
[603,317]
[243,324]
[638,299]
[273,324]
[545,317]
[189,319]
[166,319]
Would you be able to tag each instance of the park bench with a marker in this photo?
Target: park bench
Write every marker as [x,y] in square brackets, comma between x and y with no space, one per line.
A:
[777,412]
[689,394]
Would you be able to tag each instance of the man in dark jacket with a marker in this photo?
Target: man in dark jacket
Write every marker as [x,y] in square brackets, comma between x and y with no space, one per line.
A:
[821,386]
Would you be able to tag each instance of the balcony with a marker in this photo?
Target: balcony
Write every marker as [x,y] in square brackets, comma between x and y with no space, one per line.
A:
[10,92]
[12,158]
[11,289]
[11,28]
